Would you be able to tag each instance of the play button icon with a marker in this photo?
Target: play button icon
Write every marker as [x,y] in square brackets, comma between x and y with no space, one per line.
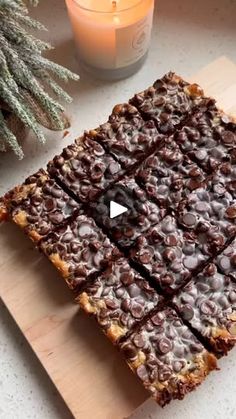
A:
[116,209]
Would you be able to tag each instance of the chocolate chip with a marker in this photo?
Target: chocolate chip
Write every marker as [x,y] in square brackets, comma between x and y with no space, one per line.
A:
[129,351]
[120,292]
[216,282]
[145,257]
[207,307]
[228,138]
[111,304]
[187,312]
[125,305]
[157,319]
[137,310]
[134,290]
[138,340]
[171,240]
[127,278]
[169,255]
[231,212]
[178,366]
[67,237]
[189,220]
[59,161]
[164,346]
[142,373]
[56,192]
[232,296]
[166,280]
[210,269]
[164,373]
[56,218]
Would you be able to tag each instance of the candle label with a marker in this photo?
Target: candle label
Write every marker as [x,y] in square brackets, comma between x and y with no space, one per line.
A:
[132,42]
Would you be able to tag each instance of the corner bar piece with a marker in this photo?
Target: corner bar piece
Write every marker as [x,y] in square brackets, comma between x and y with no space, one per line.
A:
[168,102]
[85,169]
[127,136]
[208,304]
[119,299]
[167,357]
[38,206]
[79,250]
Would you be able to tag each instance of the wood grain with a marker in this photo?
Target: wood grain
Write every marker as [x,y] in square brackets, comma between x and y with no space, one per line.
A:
[88,372]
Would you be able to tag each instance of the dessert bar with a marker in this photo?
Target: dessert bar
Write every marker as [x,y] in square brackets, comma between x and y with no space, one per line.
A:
[141,214]
[168,176]
[118,299]
[209,139]
[167,357]
[38,206]
[78,250]
[85,169]
[168,102]
[169,254]
[208,304]
[211,212]
[126,136]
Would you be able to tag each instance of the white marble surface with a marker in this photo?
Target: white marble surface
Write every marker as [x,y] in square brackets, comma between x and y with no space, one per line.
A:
[187,35]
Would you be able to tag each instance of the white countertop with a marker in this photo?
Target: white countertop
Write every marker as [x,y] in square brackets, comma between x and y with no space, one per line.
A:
[187,35]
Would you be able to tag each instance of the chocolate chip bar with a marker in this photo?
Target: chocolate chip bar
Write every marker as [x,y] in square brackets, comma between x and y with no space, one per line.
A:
[211,212]
[141,214]
[118,299]
[208,304]
[85,169]
[126,136]
[209,139]
[169,254]
[79,250]
[168,176]
[39,205]
[168,102]
[167,357]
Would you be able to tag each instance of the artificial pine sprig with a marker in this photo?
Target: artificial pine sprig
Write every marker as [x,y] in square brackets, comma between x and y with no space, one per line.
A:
[25,75]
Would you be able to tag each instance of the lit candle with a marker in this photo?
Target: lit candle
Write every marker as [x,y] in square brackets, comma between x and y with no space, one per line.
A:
[112,37]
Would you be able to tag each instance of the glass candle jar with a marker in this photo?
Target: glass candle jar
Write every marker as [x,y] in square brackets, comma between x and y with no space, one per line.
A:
[112,37]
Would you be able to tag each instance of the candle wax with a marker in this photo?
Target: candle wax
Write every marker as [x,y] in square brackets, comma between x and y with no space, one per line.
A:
[111,35]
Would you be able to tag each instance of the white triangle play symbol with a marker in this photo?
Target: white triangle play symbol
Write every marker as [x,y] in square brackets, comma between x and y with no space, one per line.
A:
[116,209]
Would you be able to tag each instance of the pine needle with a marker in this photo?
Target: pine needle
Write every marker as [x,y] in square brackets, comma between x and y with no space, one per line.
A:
[25,75]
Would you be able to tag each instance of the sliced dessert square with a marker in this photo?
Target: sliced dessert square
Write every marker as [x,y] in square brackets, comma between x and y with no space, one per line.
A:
[169,254]
[39,205]
[79,250]
[168,101]
[209,139]
[127,136]
[208,304]
[167,357]
[118,299]
[85,169]
[168,176]
[139,214]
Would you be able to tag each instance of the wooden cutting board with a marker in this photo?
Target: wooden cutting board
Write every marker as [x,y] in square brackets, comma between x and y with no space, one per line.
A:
[88,372]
